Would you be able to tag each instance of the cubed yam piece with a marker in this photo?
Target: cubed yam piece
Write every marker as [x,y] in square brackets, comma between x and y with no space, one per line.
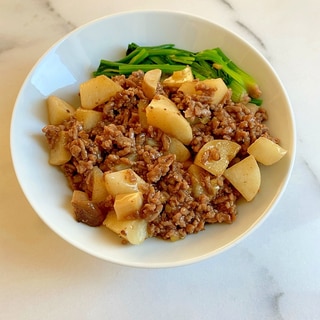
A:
[97,91]
[266,151]
[127,205]
[58,110]
[59,154]
[162,113]
[179,77]
[245,176]
[150,82]
[189,88]
[179,149]
[123,181]
[89,118]
[218,93]
[99,190]
[199,182]
[142,105]
[220,89]
[216,155]
[133,231]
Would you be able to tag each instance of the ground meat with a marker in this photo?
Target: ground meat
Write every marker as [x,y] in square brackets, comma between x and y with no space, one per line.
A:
[120,141]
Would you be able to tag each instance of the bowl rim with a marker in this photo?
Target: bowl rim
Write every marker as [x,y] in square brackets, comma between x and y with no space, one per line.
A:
[187,16]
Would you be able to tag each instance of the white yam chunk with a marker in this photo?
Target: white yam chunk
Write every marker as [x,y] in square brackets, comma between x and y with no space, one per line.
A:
[245,177]
[123,181]
[58,110]
[216,155]
[220,89]
[266,151]
[127,205]
[179,77]
[218,93]
[97,91]
[89,118]
[179,149]
[133,231]
[150,82]
[99,190]
[162,113]
[59,154]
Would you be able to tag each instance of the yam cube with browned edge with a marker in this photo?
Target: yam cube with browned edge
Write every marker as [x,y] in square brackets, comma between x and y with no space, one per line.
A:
[59,154]
[202,182]
[219,89]
[216,155]
[85,210]
[179,77]
[127,205]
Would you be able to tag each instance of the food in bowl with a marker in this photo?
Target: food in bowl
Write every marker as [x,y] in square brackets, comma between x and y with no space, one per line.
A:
[152,154]
[70,62]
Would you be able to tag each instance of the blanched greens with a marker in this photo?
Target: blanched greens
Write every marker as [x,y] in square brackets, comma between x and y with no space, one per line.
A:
[210,63]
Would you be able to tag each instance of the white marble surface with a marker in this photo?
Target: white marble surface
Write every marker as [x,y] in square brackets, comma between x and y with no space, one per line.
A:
[272,274]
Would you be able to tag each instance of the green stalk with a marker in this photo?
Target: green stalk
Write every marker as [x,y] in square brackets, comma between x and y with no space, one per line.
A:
[138,58]
[129,56]
[239,92]
[166,68]
[211,63]
[158,60]
[182,59]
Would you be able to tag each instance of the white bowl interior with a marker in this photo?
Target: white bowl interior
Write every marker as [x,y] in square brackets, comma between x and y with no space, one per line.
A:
[70,62]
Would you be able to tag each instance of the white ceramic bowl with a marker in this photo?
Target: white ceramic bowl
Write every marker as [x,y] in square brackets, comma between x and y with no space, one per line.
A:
[70,62]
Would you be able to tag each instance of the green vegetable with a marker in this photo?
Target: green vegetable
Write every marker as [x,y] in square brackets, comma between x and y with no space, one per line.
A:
[211,63]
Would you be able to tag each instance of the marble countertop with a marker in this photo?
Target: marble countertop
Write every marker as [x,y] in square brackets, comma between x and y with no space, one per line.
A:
[272,274]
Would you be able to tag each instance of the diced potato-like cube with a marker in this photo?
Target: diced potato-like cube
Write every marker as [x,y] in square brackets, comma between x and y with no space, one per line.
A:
[179,149]
[162,113]
[127,205]
[142,104]
[220,88]
[266,151]
[245,177]
[133,231]
[216,155]
[179,77]
[59,154]
[99,190]
[189,88]
[150,82]
[198,184]
[96,91]
[58,110]
[123,181]
[89,118]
